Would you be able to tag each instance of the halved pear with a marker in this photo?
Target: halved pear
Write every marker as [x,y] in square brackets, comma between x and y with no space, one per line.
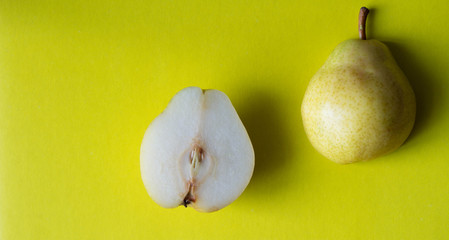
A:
[197,152]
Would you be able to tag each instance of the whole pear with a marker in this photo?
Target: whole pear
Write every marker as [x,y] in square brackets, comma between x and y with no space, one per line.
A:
[359,105]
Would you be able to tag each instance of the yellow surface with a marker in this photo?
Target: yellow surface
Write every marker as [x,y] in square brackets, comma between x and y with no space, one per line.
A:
[81,81]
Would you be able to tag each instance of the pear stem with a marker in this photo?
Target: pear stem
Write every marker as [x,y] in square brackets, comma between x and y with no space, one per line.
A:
[362,20]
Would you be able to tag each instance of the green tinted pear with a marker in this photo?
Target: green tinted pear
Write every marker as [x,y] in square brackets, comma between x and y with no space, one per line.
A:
[359,105]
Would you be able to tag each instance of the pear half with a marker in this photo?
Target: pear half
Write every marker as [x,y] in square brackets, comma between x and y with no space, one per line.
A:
[359,105]
[197,152]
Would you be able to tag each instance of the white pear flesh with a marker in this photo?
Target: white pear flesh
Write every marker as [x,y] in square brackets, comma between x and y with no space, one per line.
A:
[359,105]
[197,152]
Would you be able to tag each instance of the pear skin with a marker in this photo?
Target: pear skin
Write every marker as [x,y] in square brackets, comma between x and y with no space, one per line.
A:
[359,105]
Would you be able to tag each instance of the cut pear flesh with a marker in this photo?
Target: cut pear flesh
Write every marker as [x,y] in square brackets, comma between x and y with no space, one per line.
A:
[197,152]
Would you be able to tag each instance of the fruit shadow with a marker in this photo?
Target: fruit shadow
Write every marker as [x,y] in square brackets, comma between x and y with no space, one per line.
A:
[426,88]
[266,127]
[371,24]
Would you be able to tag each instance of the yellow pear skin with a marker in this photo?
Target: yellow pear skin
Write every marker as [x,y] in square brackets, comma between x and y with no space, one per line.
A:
[359,105]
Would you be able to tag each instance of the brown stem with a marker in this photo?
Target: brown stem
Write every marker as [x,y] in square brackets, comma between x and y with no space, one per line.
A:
[362,20]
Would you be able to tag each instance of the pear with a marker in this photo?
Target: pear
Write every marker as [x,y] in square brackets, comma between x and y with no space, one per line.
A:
[359,105]
[197,152]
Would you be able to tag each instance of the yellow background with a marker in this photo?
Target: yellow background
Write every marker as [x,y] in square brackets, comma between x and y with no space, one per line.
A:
[80,82]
